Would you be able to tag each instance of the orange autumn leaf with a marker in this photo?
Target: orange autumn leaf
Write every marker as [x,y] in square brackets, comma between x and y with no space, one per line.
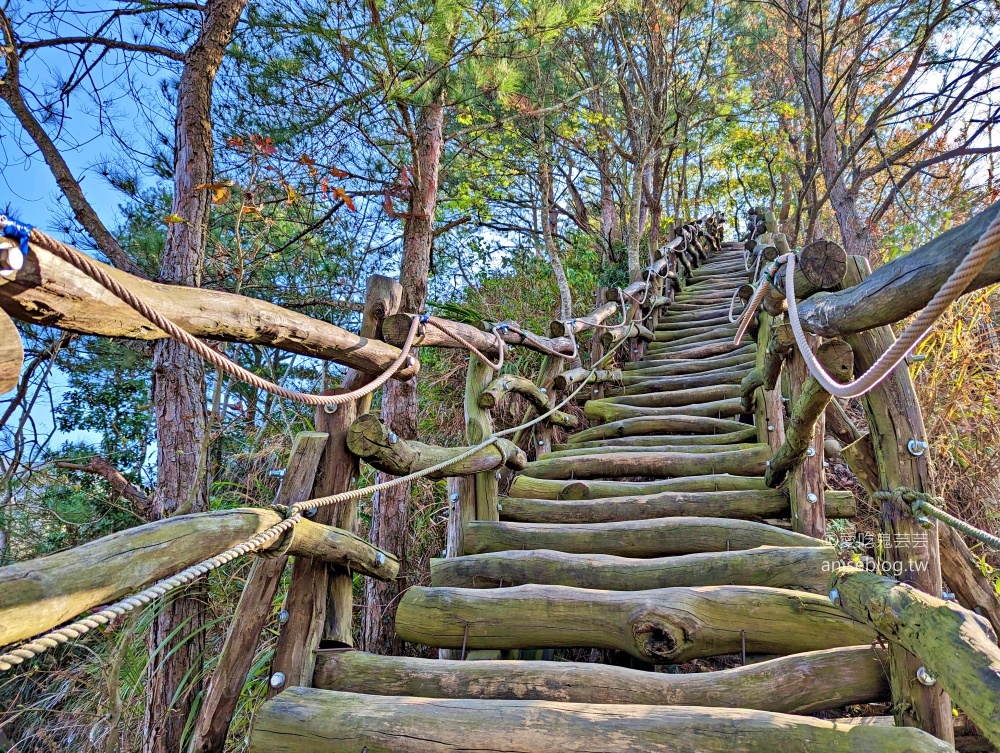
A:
[341,195]
[173,219]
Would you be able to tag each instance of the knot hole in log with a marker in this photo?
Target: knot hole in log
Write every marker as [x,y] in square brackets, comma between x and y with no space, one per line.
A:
[659,637]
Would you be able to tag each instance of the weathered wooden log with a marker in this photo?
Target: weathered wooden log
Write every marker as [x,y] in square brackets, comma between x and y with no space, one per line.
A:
[661,626]
[651,463]
[675,398]
[820,265]
[610,412]
[903,286]
[752,504]
[780,344]
[11,354]
[571,378]
[720,346]
[973,589]
[309,720]
[48,291]
[676,325]
[626,445]
[749,434]
[577,326]
[806,568]
[659,424]
[658,537]
[677,341]
[623,332]
[369,438]
[537,488]
[679,336]
[506,384]
[640,385]
[957,647]
[797,684]
[437,333]
[838,360]
[39,594]
[721,351]
[687,366]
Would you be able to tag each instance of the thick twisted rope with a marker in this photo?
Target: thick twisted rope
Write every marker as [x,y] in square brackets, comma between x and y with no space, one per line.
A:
[501,345]
[924,505]
[293,515]
[974,261]
[86,265]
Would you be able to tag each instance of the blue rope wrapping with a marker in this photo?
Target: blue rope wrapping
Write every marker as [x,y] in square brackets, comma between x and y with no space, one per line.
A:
[17,231]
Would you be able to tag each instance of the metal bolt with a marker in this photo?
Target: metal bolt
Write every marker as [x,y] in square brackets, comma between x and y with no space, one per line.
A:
[497,475]
[330,408]
[311,512]
[544,390]
[812,498]
[767,463]
[834,595]
[826,464]
[393,438]
[11,259]
[277,679]
[595,390]
[924,677]
[499,507]
[379,559]
[916,447]
[276,473]
[770,427]
[811,452]
[282,616]
[541,442]
[454,497]
[948,596]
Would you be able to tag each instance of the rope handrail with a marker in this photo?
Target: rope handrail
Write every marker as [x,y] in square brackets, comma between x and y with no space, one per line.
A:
[915,331]
[83,263]
[293,515]
[925,506]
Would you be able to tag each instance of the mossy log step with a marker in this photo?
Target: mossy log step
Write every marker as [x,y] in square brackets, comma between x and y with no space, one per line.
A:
[730,504]
[799,567]
[695,334]
[660,626]
[310,720]
[703,361]
[677,397]
[685,366]
[660,424]
[651,463]
[627,447]
[797,684]
[658,537]
[681,326]
[723,346]
[538,488]
[610,412]
[638,386]
[679,440]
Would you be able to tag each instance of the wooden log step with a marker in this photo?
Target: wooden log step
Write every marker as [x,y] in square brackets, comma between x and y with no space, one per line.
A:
[797,684]
[678,368]
[653,359]
[673,398]
[659,537]
[310,720]
[610,412]
[680,335]
[677,325]
[538,488]
[729,504]
[634,385]
[711,335]
[627,447]
[660,424]
[660,626]
[806,568]
[715,347]
[748,434]
[652,463]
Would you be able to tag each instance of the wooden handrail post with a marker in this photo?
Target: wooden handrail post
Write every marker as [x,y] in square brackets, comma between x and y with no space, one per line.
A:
[320,598]
[895,423]
[253,609]
[807,481]
[479,426]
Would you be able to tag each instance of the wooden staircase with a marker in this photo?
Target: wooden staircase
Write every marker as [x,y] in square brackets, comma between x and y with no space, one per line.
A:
[653,534]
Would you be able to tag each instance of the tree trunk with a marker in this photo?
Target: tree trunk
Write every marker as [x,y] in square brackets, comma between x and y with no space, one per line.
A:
[179,400]
[635,220]
[549,220]
[390,508]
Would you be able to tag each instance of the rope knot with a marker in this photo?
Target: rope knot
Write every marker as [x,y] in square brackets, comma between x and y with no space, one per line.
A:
[284,542]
